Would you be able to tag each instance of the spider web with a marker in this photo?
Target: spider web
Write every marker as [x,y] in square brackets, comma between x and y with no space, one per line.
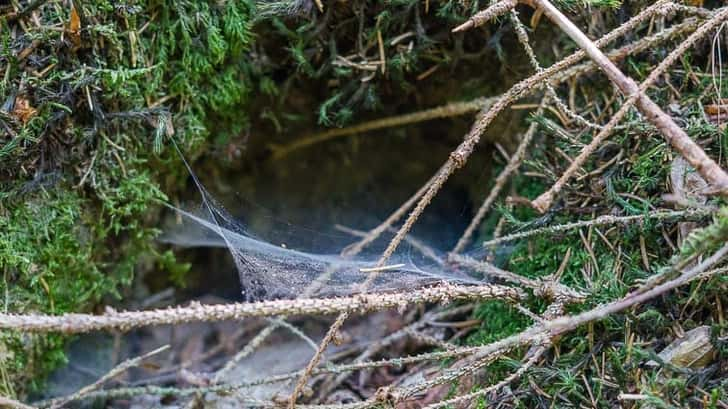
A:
[269,271]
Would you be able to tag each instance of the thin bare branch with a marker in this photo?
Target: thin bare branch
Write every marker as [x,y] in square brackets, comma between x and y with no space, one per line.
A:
[418,245]
[114,372]
[361,303]
[500,181]
[546,287]
[376,232]
[445,111]
[602,221]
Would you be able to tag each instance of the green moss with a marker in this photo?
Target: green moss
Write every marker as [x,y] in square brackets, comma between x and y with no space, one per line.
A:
[498,320]
[76,224]
[57,259]
[47,263]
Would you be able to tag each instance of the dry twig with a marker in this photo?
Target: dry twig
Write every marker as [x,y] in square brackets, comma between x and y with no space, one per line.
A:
[693,153]
[361,303]
[500,181]
[445,111]
[114,372]
[601,221]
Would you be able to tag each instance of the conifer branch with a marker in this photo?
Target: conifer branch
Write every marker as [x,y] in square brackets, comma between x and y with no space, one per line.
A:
[361,303]
[674,135]
[496,10]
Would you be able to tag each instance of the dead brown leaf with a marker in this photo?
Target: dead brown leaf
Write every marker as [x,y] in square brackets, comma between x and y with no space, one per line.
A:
[74,27]
[717,113]
[23,111]
[716,109]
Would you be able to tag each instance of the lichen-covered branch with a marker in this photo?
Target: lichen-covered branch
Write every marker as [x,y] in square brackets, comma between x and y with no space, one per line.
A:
[362,303]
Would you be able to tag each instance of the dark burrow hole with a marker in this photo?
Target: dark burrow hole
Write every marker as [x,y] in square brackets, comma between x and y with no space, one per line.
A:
[355,182]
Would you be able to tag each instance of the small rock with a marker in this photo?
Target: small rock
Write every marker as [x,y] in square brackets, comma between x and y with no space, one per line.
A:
[694,350]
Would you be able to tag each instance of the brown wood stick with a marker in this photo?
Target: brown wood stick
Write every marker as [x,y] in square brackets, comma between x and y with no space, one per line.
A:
[674,135]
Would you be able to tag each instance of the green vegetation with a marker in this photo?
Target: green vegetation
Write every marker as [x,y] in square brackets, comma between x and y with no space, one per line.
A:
[87,110]
[594,364]
[92,93]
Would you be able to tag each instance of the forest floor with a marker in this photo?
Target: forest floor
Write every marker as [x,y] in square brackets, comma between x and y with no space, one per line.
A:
[397,214]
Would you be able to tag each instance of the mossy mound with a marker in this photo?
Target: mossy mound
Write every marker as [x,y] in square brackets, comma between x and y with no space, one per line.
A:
[90,90]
